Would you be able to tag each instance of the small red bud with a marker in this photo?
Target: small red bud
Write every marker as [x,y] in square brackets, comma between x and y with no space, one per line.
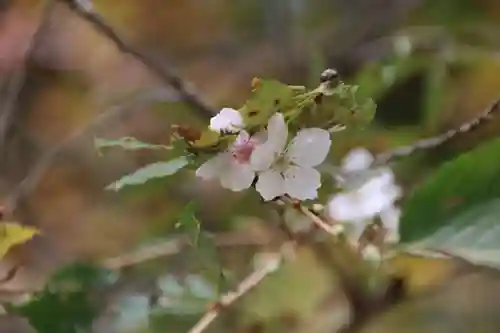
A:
[255,83]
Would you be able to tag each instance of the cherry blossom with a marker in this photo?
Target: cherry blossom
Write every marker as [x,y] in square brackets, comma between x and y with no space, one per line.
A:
[289,169]
[227,120]
[367,193]
[232,167]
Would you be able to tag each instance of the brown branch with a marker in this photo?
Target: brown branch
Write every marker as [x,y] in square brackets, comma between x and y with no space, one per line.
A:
[84,9]
[439,140]
[15,85]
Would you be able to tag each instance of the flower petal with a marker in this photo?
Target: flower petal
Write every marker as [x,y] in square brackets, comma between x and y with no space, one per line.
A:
[390,218]
[277,132]
[237,177]
[211,168]
[270,184]
[263,157]
[226,120]
[242,138]
[309,147]
[379,193]
[302,183]
[356,160]
[265,154]
[345,207]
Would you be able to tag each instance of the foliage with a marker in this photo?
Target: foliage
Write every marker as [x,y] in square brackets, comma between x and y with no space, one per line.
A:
[150,171]
[13,234]
[203,245]
[472,234]
[268,97]
[127,143]
[456,187]
[69,302]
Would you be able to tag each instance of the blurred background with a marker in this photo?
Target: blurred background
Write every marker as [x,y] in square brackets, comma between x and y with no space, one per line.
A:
[429,64]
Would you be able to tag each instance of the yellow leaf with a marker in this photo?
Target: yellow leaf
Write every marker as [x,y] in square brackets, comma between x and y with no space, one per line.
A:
[421,273]
[12,234]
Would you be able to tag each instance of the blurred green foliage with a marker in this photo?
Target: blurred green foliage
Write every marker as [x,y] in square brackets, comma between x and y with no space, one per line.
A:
[455,187]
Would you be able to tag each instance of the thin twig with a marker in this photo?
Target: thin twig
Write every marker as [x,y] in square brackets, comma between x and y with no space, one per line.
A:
[257,276]
[85,10]
[38,170]
[16,84]
[176,245]
[438,140]
[329,228]
[243,287]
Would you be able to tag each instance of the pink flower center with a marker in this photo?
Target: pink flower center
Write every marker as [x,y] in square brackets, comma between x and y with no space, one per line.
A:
[243,150]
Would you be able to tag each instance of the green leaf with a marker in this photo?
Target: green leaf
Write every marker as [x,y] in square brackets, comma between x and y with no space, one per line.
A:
[150,171]
[189,224]
[127,143]
[203,244]
[455,187]
[81,275]
[68,303]
[269,97]
[366,113]
[473,235]
[346,109]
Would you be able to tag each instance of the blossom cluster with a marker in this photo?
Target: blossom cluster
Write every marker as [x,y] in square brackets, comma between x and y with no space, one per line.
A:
[281,166]
[368,192]
[277,165]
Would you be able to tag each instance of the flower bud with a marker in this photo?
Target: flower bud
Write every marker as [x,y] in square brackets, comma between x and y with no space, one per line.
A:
[329,75]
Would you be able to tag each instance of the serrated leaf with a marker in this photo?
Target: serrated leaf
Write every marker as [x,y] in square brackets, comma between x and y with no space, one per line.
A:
[269,97]
[473,235]
[127,143]
[344,109]
[366,112]
[455,187]
[150,171]
[12,234]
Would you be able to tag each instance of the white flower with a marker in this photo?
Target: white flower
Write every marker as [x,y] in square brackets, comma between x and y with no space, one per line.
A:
[227,120]
[371,254]
[355,169]
[390,219]
[290,169]
[232,167]
[358,159]
[368,193]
